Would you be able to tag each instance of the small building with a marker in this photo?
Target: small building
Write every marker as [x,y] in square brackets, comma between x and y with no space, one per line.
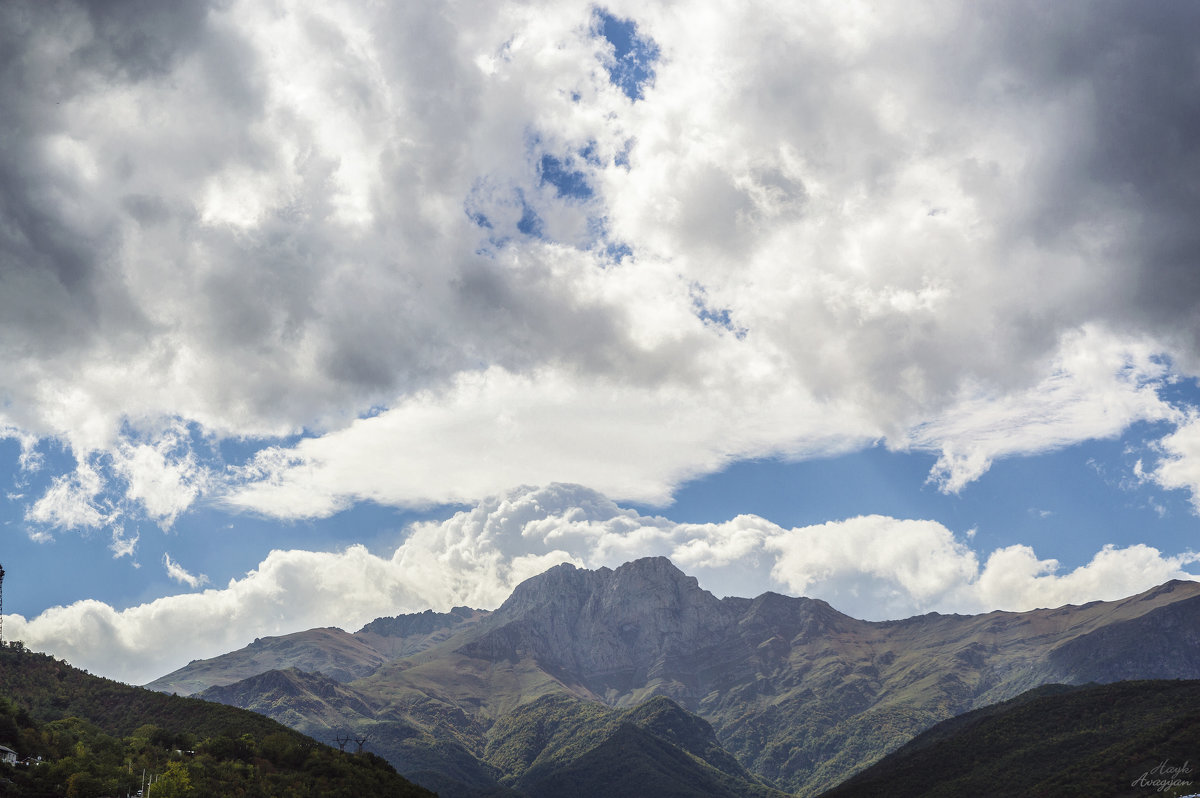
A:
[8,755]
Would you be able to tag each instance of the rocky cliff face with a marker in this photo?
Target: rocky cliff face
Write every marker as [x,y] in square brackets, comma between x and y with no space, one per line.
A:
[405,635]
[648,628]
[644,624]
[1162,644]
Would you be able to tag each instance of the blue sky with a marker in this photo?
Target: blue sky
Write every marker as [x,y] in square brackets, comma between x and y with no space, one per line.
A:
[319,314]
[1064,503]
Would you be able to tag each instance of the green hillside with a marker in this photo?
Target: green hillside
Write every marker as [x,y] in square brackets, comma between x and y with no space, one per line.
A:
[1121,739]
[97,737]
[558,745]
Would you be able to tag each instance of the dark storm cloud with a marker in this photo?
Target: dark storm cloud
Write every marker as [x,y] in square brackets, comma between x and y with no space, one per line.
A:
[142,38]
[61,240]
[1130,153]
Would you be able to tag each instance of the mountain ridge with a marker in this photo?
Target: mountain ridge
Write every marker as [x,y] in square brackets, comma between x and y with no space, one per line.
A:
[799,693]
[328,650]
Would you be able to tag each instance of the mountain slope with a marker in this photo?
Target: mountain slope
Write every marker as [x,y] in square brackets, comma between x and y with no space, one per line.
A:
[558,746]
[94,734]
[800,694]
[1092,741]
[436,745]
[294,698]
[337,654]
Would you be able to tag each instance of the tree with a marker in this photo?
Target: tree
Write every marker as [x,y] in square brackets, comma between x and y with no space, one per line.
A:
[173,783]
[84,785]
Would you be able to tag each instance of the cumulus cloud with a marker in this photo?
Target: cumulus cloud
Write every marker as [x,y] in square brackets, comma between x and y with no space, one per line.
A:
[155,476]
[496,429]
[880,567]
[1179,464]
[164,476]
[338,219]
[642,444]
[70,501]
[873,567]
[887,565]
[1015,576]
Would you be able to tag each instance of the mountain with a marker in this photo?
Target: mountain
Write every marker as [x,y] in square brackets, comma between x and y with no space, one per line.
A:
[1120,739]
[99,737]
[558,745]
[331,651]
[552,746]
[801,695]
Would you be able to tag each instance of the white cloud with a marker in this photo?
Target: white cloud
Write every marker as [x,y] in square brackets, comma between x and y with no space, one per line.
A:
[122,545]
[30,460]
[872,567]
[164,477]
[1015,577]
[262,223]
[878,567]
[70,502]
[1179,466]
[181,575]
[497,429]
[156,480]
[1098,387]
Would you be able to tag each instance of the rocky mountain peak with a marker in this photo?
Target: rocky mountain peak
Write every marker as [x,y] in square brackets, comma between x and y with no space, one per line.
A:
[419,622]
[610,628]
[562,584]
[639,586]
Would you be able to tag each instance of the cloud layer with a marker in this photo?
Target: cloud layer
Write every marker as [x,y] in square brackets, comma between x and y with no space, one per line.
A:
[617,246]
[872,567]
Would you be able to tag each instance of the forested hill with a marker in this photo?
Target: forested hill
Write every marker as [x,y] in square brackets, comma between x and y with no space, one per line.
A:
[98,737]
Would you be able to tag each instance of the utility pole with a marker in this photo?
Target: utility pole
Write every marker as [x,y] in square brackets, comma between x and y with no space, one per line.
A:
[1,605]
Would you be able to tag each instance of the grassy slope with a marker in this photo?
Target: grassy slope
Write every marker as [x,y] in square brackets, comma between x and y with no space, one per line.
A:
[333,652]
[562,746]
[1089,741]
[842,699]
[337,654]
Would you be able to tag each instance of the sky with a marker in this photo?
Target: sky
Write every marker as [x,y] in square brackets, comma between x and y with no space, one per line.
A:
[315,313]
